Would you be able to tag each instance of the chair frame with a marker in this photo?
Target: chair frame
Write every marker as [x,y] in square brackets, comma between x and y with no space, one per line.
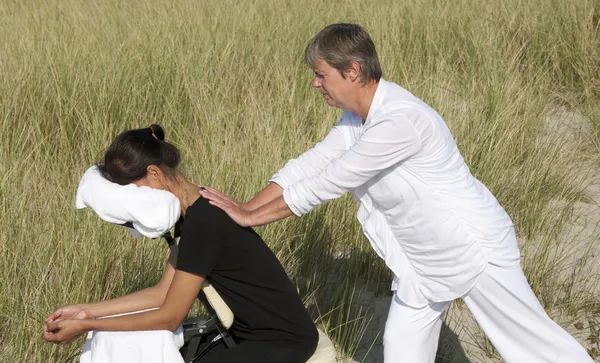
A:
[196,330]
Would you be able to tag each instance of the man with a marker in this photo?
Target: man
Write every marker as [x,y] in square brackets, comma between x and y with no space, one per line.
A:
[441,231]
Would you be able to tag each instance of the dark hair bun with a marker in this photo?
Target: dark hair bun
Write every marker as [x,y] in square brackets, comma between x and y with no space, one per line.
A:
[129,155]
[158,132]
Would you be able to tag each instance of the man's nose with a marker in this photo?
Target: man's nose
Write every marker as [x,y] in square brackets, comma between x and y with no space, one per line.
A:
[316,82]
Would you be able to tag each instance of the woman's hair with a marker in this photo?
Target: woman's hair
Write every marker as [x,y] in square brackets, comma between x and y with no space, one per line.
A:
[128,157]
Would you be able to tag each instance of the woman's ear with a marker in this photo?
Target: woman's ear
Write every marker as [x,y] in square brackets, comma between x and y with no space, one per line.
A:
[155,176]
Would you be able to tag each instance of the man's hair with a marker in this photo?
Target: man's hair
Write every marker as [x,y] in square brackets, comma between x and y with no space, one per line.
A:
[339,45]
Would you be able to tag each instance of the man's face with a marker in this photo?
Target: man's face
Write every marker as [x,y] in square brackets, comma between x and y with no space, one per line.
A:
[333,86]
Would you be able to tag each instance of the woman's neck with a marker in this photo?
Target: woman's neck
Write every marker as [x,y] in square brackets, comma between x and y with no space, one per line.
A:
[186,192]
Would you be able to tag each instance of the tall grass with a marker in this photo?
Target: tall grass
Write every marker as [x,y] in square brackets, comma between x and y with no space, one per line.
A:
[227,82]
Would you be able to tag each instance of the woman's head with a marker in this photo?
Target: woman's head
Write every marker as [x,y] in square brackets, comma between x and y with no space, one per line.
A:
[141,157]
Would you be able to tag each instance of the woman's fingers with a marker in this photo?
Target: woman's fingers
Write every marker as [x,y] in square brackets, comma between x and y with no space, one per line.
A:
[52,317]
[52,326]
[61,332]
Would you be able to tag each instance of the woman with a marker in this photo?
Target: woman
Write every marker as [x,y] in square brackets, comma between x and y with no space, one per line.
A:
[271,323]
[441,231]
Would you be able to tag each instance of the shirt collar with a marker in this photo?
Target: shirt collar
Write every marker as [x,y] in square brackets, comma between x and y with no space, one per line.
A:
[377,99]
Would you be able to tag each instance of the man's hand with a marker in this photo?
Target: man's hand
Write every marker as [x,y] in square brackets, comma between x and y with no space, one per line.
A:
[208,190]
[238,211]
[63,331]
[259,211]
[68,312]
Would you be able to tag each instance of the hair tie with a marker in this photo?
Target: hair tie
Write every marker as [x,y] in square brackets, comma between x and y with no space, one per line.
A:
[156,132]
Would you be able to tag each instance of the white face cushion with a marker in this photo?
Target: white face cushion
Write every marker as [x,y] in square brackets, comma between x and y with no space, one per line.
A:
[152,212]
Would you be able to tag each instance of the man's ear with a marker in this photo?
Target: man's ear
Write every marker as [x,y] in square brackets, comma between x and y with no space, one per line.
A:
[353,71]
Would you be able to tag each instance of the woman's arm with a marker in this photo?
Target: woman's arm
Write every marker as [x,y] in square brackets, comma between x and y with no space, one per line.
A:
[180,297]
[150,297]
[147,298]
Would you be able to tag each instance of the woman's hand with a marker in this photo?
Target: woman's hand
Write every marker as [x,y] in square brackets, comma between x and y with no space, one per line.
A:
[68,312]
[63,331]
[238,211]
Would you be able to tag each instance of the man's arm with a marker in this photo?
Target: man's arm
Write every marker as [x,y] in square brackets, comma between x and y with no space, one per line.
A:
[314,160]
[271,192]
[309,163]
[381,146]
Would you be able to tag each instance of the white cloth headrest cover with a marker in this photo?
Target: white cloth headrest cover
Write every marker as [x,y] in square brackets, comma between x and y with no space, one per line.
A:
[152,212]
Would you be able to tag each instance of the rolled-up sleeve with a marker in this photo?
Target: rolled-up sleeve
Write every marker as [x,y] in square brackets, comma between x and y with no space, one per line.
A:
[314,160]
[381,145]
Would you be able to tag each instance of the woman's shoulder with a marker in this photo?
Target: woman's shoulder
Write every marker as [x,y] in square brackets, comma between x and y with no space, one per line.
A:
[202,211]
[206,222]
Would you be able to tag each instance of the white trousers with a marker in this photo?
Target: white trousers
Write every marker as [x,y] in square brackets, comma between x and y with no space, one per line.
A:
[507,310]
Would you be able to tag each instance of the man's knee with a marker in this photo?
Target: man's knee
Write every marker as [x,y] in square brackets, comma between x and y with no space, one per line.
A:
[411,334]
[403,343]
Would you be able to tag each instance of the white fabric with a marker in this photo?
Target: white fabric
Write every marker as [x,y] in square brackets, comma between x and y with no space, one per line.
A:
[157,346]
[152,212]
[433,223]
[412,334]
[506,309]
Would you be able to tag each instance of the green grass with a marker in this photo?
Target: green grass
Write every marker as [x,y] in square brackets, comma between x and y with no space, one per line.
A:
[228,83]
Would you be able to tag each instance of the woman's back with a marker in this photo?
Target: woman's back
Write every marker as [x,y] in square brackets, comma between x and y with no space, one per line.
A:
[248,276]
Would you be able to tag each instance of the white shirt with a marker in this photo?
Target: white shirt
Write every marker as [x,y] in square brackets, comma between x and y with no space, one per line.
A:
[434,224]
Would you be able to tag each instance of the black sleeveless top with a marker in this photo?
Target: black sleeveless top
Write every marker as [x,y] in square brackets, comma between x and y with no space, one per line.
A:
[247,275]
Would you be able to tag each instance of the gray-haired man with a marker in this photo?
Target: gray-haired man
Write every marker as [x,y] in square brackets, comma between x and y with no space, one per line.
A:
[441,231]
